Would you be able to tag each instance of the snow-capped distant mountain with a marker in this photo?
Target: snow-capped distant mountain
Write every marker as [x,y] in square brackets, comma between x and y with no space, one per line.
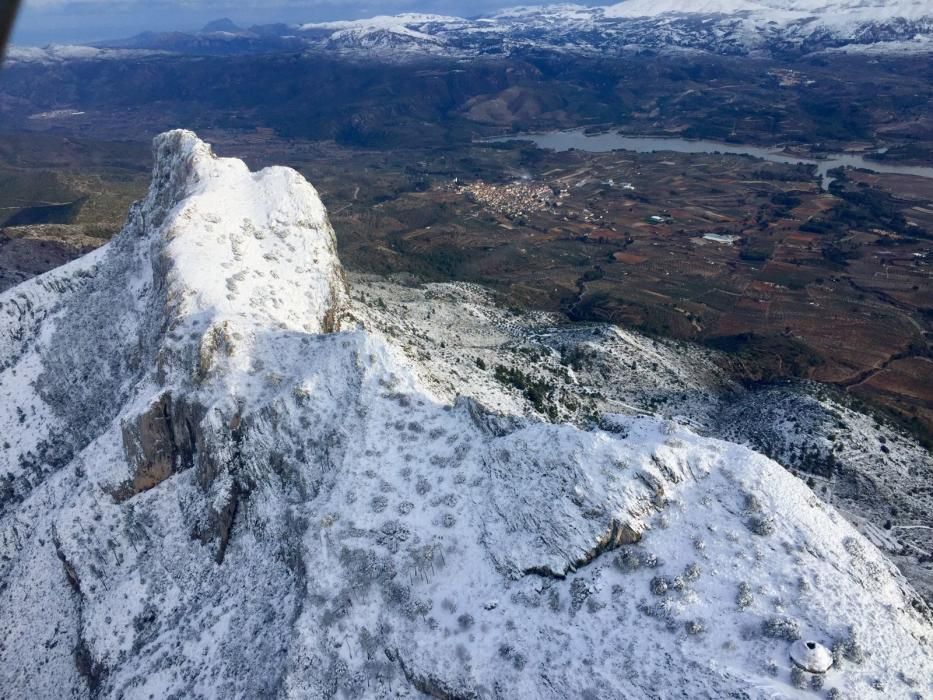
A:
[720,26]
[645,8]
[61,53]
[386,32]
[224,475]
[391,22]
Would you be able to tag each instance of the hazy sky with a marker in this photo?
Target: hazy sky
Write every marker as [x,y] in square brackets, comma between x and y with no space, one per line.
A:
[63,21]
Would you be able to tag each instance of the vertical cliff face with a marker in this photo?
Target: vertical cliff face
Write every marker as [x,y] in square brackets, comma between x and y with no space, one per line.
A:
[215,483]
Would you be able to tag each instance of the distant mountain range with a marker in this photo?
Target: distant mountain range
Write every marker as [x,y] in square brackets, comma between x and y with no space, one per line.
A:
[731,27]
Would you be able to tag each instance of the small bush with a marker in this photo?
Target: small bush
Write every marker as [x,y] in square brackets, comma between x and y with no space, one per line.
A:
[760,525]
[781,628]
[660,585]
[649,560]
[695,627]
[692,572]
[660,610]
[744,598]
[507,651]
[580,591]
[536,391]
[628,560]
[798,678]
[848,649]
[634,558]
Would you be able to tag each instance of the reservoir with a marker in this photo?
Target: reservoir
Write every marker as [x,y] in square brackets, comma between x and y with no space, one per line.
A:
[605,142]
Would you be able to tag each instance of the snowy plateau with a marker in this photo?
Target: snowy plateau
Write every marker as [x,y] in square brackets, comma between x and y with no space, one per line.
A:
[229,470]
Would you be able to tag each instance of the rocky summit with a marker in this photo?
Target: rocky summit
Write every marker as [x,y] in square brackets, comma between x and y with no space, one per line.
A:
[221,477]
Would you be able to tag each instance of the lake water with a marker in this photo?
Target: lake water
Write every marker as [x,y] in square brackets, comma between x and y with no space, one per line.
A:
[605,142]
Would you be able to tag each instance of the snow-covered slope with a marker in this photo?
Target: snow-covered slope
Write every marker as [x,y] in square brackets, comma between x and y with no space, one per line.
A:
[872,472]
[223,477]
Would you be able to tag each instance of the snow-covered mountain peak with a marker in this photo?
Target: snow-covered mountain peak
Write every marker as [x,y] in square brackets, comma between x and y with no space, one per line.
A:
[234,257]
[239,246]
[211,487]
[243,265]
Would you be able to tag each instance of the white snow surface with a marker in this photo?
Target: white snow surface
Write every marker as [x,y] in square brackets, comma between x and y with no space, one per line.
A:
[384,21]
[828,10]
[652,8]
[337,520]
[60,53]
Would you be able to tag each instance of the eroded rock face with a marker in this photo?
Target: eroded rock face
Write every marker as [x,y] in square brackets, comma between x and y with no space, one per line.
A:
[261,501]
[158,443]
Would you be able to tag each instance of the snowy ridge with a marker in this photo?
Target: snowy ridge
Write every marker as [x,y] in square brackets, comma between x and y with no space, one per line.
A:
[642,8]
[60,53]
[224,477]
[385,22]
[778,10]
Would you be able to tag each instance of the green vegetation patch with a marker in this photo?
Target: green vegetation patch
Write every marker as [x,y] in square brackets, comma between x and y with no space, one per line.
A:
[537,391]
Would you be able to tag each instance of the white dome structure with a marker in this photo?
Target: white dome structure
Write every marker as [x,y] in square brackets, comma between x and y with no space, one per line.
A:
[811,656]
